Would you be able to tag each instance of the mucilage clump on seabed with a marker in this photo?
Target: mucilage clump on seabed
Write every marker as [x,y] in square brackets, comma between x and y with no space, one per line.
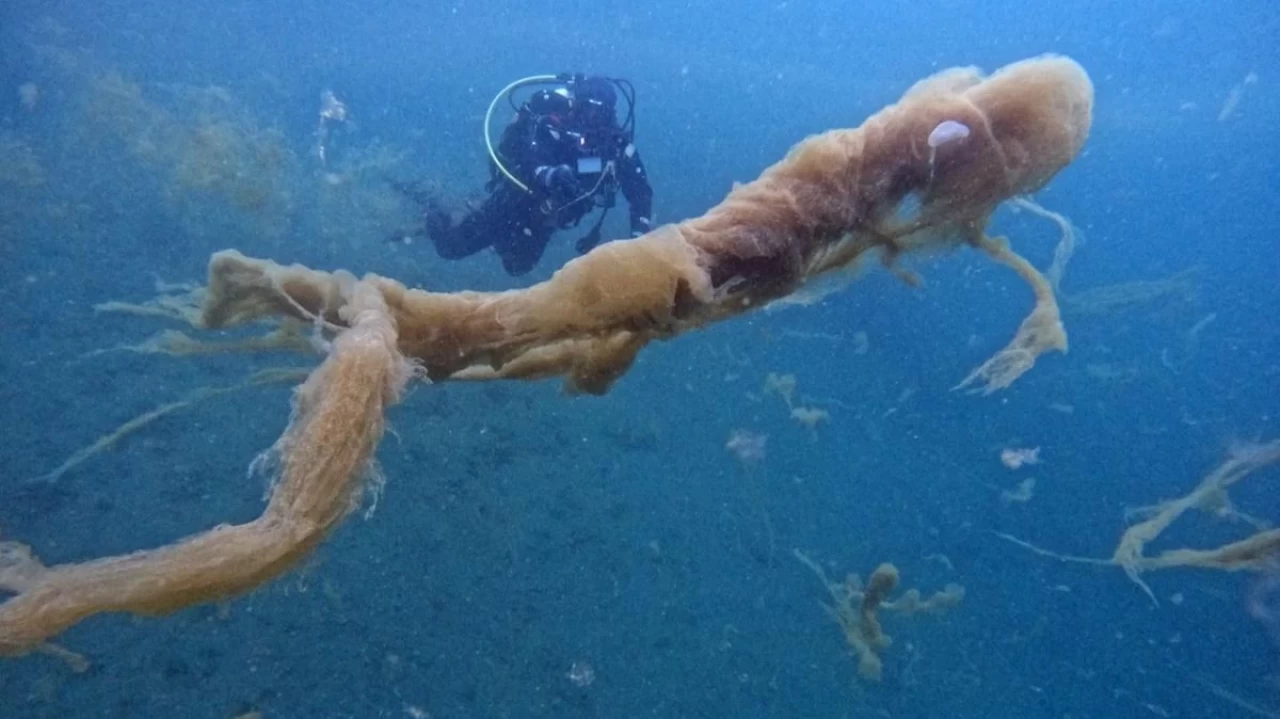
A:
[834,201]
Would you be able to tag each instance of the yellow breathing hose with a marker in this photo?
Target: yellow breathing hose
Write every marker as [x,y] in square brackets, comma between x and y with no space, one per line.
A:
[488,140]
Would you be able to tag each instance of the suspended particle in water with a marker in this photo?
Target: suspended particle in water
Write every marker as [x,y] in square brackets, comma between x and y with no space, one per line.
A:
[581,674]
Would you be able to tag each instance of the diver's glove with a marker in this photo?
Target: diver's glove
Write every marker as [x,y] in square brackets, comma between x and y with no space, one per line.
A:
[558,181]
[640,226]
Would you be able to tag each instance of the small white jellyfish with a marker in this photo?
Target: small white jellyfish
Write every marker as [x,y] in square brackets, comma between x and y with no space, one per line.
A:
[948,131]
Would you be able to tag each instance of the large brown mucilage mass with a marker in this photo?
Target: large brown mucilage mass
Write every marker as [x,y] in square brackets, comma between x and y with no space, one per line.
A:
[836,199]
[833,200]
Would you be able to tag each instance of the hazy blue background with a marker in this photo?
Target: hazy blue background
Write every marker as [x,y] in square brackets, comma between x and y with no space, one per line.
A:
[522,531]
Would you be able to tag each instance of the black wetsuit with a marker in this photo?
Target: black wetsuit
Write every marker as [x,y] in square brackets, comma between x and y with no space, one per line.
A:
[517,223]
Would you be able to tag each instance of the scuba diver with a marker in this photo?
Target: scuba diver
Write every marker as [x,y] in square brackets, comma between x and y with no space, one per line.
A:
[564,155]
